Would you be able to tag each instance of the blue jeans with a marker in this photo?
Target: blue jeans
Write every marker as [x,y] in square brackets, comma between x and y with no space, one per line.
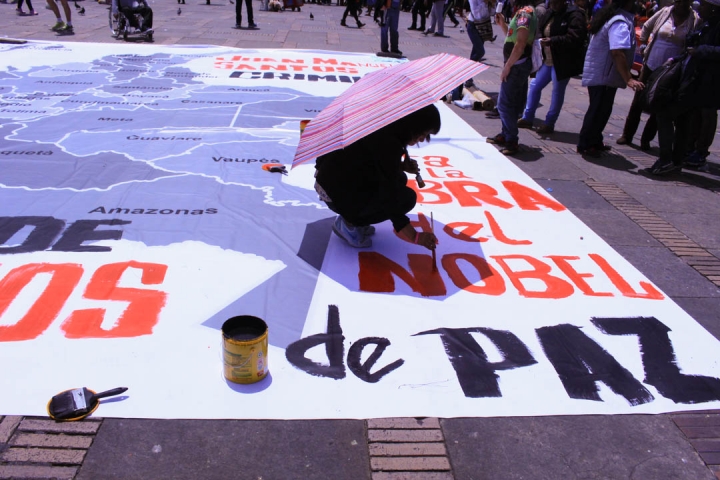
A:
[542,78]
[392,18]
[511,99]
[477,53]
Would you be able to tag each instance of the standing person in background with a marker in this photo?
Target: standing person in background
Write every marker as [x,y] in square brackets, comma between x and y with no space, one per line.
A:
[63,28]
[607,68]
[450,12]
[698,90]
[352,7]
[479,12]
[390,27]
[563,37]
[437,20]
[418,9]
[517,51]
[665,31]
[238,13]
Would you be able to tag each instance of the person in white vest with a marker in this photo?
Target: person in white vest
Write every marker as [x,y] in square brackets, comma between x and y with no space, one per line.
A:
[607,67]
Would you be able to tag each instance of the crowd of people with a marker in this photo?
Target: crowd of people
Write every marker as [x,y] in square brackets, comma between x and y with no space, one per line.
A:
[599,42]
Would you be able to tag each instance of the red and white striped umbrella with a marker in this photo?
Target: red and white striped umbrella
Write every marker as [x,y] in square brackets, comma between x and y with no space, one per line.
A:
[380,98]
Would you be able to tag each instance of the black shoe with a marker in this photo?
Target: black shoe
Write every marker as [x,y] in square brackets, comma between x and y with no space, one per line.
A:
[412,27]
[342,23]
[589,152]
[438,34]
[396,52]
[252,25]
[360,24]
[664,168]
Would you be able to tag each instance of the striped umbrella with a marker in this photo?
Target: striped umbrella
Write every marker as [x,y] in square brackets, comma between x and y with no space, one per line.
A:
[380,98]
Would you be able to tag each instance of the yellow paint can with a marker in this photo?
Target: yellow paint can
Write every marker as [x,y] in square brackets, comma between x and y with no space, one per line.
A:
[245,348]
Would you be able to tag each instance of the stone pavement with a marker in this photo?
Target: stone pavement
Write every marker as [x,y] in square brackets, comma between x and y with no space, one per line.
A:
[669,228]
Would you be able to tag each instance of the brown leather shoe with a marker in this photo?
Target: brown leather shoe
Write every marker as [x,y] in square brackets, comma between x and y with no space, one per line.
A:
[623,141]
[545,129]
[522,123]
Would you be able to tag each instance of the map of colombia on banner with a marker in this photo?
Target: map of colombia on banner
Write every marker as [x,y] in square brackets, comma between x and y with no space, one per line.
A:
[136,217]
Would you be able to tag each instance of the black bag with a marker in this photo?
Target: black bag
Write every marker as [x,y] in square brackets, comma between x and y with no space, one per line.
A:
[663,85]
[484,28]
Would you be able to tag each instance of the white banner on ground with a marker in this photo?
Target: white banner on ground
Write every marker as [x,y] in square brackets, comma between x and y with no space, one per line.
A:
[136,217]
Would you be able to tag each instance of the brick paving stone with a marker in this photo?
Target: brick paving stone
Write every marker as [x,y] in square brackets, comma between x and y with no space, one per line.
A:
[86,426]
[708,420]
[7,427]
[701,432]
[404,436]
[407,449]
[710,458]
[45,440]
[707,444]
[413,476]
[31,471]
[43,455]
[406,423]
[409,463]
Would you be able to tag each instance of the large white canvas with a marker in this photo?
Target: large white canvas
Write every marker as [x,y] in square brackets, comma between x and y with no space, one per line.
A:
[254,242]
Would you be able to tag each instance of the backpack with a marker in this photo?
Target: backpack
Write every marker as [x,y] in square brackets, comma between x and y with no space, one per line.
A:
[663,85]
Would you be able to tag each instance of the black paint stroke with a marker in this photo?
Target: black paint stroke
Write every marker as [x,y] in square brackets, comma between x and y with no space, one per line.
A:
[659,361]
[362,370]
[334,348]
[475,374]
[580,363]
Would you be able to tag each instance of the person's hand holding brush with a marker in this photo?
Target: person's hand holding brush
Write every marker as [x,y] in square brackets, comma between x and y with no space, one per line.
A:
[426,239]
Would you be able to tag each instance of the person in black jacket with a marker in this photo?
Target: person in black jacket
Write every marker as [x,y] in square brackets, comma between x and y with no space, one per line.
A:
[563,34]
[698,89]
[365,183]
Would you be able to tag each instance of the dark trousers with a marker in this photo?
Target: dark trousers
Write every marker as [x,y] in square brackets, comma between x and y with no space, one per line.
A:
[450,12]
[352,9]
[377,211]
[702,130]
[673,123]
[238,11]
[390,29]
[597,116]
[419,9]
[633,117]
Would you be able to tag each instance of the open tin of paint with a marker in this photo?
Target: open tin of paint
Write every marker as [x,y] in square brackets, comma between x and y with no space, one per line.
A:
[245,347]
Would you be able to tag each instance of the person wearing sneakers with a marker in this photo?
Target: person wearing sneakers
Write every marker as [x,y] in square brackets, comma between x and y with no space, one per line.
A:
[437,19]
[607,68]
[63,28]
[365,183]
[515,73]
[563,36]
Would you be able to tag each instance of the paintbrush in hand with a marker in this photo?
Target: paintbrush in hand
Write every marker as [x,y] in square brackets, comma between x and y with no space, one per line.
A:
[432,229]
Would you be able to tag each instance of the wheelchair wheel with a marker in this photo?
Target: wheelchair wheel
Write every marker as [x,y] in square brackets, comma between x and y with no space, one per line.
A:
[114,23]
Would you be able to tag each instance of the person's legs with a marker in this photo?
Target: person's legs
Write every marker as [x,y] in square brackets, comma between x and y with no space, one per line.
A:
[392,20]
[414,14]
[556,100]
[706,133]
[249,8]
[440,6]
[633,116]
[449,11]
[130,15]
[478,44]
[511,100]
[590,121]
[375,212]
[147,15]
[672,123]
[238,12]
[59,24]
[68,13]
[542,78]
[384,31]
[604,112]
[433,19]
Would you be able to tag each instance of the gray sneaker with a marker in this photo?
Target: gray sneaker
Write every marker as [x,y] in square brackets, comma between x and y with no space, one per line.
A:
[352,235]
